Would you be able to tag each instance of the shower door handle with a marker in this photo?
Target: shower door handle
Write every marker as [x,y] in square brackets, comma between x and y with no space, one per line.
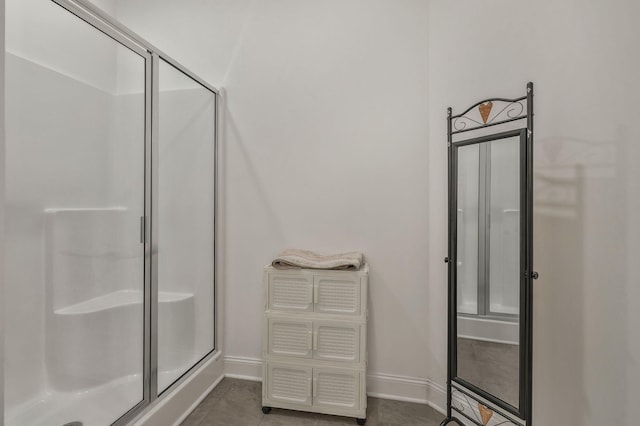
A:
[142,229]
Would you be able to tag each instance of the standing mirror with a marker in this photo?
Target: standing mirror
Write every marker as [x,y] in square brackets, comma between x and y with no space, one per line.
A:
[490,263]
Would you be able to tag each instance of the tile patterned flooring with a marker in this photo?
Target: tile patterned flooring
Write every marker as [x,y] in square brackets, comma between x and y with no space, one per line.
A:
[239,403]
[491,366]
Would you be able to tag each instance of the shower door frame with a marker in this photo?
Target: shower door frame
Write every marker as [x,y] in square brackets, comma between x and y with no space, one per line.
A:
[109,26]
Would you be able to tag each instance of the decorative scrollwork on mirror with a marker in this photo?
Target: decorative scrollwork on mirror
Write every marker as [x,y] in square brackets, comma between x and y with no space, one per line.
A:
[489,112]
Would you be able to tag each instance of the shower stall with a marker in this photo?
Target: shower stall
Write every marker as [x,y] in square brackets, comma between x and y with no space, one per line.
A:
[110,217]
[488,231]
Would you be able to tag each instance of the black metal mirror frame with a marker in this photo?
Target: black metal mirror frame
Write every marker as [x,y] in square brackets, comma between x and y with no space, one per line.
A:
[513,111]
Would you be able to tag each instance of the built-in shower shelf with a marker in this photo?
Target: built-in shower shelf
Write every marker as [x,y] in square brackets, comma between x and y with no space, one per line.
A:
[118,299]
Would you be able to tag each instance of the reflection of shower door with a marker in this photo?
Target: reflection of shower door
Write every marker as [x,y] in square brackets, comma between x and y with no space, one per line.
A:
[498,229]
[488,216]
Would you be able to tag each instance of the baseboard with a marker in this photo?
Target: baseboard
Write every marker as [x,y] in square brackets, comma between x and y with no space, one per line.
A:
[437,396]
[243,368]
[379,385]
[408,389]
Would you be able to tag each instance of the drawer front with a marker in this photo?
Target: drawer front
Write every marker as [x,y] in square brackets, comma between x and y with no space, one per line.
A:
[290,384]
[335,295]
[290,293]
[336,388]
[336,341]
[289,337]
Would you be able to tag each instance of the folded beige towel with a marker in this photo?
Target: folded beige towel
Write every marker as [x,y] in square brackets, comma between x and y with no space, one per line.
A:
[294,258]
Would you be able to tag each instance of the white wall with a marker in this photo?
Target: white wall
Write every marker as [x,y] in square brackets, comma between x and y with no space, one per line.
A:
[315,88]
[327,150]
[2,185]
[203,36]
[584,61]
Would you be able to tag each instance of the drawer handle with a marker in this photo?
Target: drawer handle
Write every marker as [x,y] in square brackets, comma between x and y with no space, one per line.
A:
[311,388]
[315,294]
[315,389]
[310,341]
[315,340]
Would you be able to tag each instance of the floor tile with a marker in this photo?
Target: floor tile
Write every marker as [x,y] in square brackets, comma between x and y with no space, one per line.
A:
[239,403]
[392,413]
[279,417]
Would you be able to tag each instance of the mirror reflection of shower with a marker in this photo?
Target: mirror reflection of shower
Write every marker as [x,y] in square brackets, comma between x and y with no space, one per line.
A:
[488,218]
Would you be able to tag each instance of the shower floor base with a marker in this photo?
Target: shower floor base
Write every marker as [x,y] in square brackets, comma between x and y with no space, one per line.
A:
[489,330]
[98,406]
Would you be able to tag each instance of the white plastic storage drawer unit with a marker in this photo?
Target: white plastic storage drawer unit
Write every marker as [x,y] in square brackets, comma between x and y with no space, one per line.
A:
[315,341]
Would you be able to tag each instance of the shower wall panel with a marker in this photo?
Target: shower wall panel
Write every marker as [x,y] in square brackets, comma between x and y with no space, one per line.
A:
[42,32]
[48,165]
[504,232]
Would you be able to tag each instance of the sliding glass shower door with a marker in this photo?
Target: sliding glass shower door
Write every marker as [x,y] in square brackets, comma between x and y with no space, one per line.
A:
[185,218]
[75,172]
[110,218]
